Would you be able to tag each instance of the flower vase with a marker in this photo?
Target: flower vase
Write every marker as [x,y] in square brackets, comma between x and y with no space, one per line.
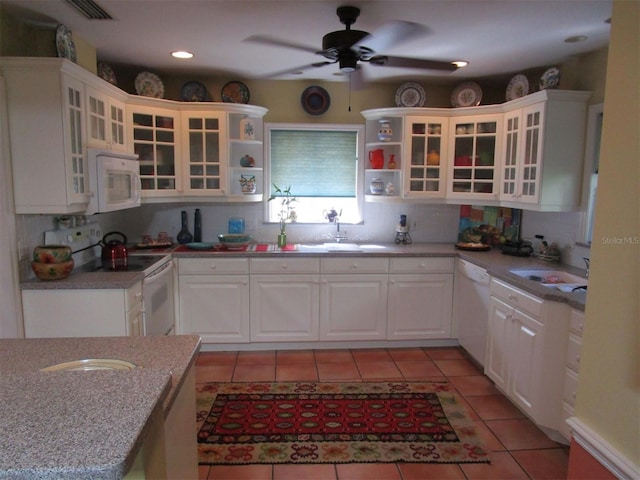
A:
[282,239]
[184,236]
[385,133]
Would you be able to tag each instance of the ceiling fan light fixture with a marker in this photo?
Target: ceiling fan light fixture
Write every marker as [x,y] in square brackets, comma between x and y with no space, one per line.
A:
[460,63]
[576,39]
[348,61]
[181,54]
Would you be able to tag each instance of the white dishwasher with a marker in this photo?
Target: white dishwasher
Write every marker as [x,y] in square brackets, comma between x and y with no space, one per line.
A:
[471,308]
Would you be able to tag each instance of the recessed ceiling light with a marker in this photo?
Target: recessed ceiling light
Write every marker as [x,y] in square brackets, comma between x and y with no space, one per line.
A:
[575,39]
[182,54]
[460,63]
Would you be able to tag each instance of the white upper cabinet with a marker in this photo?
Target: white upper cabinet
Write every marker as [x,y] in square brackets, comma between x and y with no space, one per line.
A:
[106,120]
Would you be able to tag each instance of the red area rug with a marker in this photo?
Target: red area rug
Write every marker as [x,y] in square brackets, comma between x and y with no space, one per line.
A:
[303,422]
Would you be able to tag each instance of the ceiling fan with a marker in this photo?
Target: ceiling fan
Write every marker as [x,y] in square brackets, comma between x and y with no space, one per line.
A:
[348,47]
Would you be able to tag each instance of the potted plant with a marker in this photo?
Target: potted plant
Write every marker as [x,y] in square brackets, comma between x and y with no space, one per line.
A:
[287,213]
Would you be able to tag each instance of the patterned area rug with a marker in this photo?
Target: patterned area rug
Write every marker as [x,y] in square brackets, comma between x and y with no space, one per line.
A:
[306,422]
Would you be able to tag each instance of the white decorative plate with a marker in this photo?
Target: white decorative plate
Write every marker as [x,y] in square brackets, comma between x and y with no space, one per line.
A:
[518,87]
[467,94]
[149,85]
[550,78]
[64,44]
[105,72]
[410,95]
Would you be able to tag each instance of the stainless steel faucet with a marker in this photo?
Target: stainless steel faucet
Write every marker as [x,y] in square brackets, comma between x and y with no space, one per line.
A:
[339,236]
[587,262]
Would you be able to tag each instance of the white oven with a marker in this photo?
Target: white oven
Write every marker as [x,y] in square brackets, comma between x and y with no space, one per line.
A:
[157,295]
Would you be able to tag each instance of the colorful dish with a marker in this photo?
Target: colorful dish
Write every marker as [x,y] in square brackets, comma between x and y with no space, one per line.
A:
[105,72]
[149,85]
[235,92]
[550,79]
[518,87]
[467,94]
[315,100]
[200,246]
[410,95]
[64,44]
[473,247]
[193,92]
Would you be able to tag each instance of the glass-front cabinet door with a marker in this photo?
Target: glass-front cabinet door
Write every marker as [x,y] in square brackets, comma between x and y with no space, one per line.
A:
[475,150]
[425,167]
[155,141]
[204,165]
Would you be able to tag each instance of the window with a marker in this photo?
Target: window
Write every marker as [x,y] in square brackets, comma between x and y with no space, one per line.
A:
[321,163]
[592,161]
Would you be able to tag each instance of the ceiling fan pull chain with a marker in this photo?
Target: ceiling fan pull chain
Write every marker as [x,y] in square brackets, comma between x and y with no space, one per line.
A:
[350,90]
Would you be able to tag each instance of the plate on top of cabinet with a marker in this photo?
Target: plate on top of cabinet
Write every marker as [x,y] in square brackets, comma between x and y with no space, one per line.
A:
[467,94]
[550,79]
[193,92]
[64,44]
[106,73]
[235,92]
[410,95]
[518,87]
[149,85]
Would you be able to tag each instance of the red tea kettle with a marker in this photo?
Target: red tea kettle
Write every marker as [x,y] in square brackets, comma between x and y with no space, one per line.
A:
[114,252]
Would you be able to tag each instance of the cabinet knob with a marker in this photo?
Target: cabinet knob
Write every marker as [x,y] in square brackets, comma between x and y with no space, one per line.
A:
[354,266]
[513,298]
[422,265]
[213,266]
[284,266]
[578,358]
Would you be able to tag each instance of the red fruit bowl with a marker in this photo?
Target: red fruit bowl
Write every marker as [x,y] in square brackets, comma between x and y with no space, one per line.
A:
[52,254]
[52,271]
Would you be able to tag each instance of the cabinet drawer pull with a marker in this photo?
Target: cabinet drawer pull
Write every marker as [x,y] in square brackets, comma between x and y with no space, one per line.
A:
[578,358]
[354,266]
[213,266]
[284,266]
[513,298]
[422,265]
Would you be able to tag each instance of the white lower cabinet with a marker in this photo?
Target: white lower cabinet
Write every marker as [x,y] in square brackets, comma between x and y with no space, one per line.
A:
[284,299]
[572,370]
[214,299]
[82,313]
[420,299]
[526,342]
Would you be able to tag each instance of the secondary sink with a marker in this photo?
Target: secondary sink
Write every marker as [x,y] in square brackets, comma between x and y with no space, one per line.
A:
[553,278]
[91,364]
[339,247]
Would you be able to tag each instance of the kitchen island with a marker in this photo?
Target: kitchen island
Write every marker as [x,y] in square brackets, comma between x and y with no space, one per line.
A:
[94,424]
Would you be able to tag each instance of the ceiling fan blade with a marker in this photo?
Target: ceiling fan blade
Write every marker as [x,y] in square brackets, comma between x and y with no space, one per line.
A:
[405,62]
[298,69]
[277,42]
[391,34]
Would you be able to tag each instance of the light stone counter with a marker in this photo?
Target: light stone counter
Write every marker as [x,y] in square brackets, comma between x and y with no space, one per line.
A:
[84,424]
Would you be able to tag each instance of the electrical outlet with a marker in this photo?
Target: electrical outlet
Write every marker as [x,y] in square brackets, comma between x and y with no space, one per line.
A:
[415,224]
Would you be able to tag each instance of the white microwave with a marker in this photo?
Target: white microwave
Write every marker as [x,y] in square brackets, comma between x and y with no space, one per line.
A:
[114,181]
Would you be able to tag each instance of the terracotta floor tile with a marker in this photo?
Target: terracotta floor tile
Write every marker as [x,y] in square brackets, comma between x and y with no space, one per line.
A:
[520,434]
[304,472]
[474,385]
[214,373]
[371,355]
[445,353]
[240,472]
[551,464]
[493,407]
[422,471]
[457,367]
[256,358]
[203,472]
[379,371]
[408,354]
[344,372]
[368,471]
[217,358]
[296,373]
[502,467]
[490,441]
[333,356]
[254,373]
[418,369]
[295,357]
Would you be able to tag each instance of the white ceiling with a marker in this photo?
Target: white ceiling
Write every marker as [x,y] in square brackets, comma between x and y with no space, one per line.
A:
[497,37]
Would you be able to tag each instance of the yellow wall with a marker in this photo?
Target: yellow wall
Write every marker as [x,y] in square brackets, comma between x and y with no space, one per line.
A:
[608,398]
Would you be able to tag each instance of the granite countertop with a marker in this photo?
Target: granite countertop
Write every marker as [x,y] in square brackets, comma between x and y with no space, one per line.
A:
[84,424]
[497,264]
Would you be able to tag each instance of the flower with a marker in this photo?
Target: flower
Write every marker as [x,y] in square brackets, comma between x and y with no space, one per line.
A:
[286,213]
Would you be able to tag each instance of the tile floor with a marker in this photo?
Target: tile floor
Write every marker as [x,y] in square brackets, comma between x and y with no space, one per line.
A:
[519,450]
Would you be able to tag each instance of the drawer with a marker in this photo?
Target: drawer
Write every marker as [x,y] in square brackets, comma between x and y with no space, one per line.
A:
[355,265]
[134,295]
[576,321]
[284,265]
[573,352]
[213,266]
[422,265]
[517,298]
[570,387]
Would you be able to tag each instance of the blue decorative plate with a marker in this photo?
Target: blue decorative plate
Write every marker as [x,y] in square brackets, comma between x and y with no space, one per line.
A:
[193,92]
[550,79]
[199,246]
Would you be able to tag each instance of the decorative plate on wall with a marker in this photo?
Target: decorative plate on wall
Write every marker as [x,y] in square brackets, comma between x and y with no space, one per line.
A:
[410,95]
[315,100]
[467,94]
[149,85]
[64,44]
[235,92]
[193,92]
[518,87]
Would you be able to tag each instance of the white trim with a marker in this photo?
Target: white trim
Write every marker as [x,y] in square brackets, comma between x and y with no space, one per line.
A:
[603,451]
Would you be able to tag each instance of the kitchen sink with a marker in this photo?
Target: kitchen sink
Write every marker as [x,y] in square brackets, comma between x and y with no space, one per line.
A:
[340,247]
[553,278]
[91,364]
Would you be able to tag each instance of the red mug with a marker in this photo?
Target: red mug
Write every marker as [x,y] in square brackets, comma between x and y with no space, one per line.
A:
[376,158]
